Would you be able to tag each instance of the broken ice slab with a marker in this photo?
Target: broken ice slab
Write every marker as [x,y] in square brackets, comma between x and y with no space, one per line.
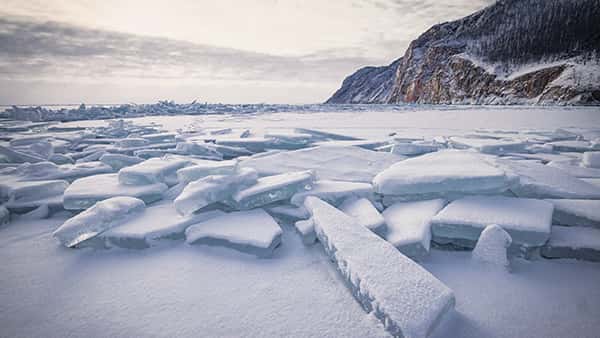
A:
[160,137]
[154,170]
[41,212]
[260,144]
[306,229]
[288,213]
[61,159]
[293,138]
[406,298]
[542,181]
[591,159]
[335,192]
[575,170]
[571,212]
[4,215]
[576,146]
[120,161]
[324,135]
[157,222]
[544,157]
[489,146]
[131,142]
[492,246]
[409,225]
[527,220]
[205,150]
[442,173]
[573,242]
[203,168]
[254,232]
[413,149]
[344,163]
[365,214]
[97,219]
[16,156]
[271,189]
[229,152]
[95,156]
[85,192]
[50,171]
[26,191]
[211,189]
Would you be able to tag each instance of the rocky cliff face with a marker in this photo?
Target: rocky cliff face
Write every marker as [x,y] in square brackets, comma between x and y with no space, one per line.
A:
[442,67]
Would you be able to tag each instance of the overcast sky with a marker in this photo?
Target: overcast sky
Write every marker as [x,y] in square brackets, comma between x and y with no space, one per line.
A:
[276,51]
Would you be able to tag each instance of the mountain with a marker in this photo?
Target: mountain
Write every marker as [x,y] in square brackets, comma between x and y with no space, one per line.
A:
[512,52]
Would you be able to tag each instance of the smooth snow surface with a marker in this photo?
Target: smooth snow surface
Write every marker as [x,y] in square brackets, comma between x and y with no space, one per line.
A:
[408,300]
[491,247]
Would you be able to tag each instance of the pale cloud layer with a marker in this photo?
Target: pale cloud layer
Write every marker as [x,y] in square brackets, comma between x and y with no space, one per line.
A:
[218,51]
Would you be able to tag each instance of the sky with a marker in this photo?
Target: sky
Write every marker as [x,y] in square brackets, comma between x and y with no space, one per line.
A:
[243,51]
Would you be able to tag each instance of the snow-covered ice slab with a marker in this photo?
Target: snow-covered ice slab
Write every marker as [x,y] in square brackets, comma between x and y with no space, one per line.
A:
[211,189]
[4,215]
[329,162]
[405,297]
[97,219]
[441,174]
[271,189]
[306,229]
[254,232]
[409,225]
[577,171]
[204,150]
[85,192]
[335,192]
[591,159]
[571,212]
[365,214]
[50,171]
[489,146]
[288,213]
[413,149]
[16,156]
[203,168]
[154,170]
[156,222]
[573,242]
[260,144]
[160,137]
[572,145]
[491,247]
[542,181]
[120,161]
[324,135]
[527,221]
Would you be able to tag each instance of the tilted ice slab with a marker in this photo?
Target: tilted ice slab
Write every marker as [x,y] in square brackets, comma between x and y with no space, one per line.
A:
[254,232]
[365,214]
[211,189]
[571,212]
[306,229]
[542,181]
[409,225]
[156,222]
[288,213]
[97,219]
[324,135]
[120,161]
[335,192]
[4,215]
[154,170]
[492,246]
[412,149]
[198,149]
[577,171]
[527,221]
[271,189]
[442,173]
[50,171]
[573,242]
[407,299]
[260,144]
[85,192]
[344,163]
[16,156]
[160,137]
[578,146]
[489,146]
[591,159]
[20,191]
[203,168]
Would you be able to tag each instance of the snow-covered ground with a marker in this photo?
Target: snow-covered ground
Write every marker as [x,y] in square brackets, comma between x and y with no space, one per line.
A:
[185,276]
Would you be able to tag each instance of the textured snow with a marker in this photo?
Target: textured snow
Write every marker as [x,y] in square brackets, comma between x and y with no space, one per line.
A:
[211,189]
[527,221]
[97,219]
[335,192]
[365,214]
[408,300]
[542,181]
[156,222]
[409,225]
[491,247]
[591,159]
[329,162]
[573,242]
[576,212]
[154,170]
[442,173]
[254,232]
[85,192]
[271,189]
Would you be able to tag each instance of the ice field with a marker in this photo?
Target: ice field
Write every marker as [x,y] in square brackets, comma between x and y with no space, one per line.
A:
[417,222]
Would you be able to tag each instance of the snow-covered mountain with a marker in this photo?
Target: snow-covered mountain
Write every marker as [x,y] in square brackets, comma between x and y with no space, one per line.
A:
[512,52]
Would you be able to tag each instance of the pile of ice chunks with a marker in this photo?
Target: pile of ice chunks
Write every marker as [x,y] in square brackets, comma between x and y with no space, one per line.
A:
[501,194]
